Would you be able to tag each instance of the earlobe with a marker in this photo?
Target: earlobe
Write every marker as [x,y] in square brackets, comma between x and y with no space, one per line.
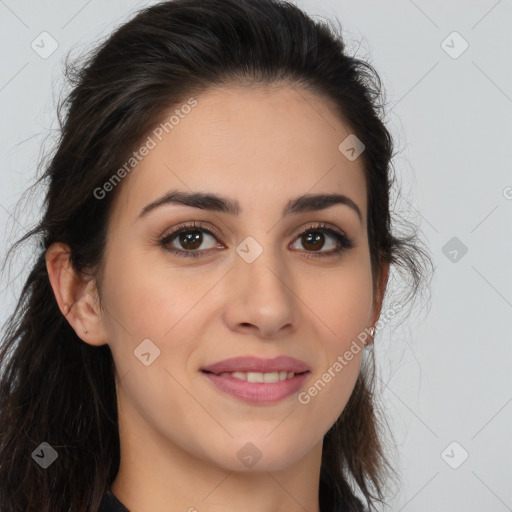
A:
[74,295]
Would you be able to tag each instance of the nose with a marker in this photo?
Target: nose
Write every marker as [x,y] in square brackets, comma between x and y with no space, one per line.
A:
[261,298]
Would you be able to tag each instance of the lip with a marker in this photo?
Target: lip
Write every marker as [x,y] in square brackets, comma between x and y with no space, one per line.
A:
[257,364]
[258,392]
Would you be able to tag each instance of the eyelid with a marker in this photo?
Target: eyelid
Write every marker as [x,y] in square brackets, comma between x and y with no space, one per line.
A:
[315,224]
[319,224]
[191,225]
[341,237]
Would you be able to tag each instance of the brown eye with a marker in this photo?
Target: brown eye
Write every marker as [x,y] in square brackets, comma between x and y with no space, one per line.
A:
[187,240]
[190,239]
[313,239]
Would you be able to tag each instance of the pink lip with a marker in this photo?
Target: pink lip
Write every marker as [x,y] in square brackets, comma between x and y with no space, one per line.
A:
[257,364]
[258,392]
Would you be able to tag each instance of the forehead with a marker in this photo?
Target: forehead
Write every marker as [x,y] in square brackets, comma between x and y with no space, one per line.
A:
[259,145]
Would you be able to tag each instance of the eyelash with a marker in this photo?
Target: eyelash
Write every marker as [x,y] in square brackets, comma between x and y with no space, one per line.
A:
[344,242]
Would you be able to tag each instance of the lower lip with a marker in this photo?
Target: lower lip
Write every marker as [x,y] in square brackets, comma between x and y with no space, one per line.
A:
[258,392]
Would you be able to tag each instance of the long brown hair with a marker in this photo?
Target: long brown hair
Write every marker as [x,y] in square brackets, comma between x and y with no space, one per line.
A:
[57,389]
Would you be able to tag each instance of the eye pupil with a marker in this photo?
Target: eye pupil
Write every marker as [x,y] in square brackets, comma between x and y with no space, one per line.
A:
[313,239]
[191,237]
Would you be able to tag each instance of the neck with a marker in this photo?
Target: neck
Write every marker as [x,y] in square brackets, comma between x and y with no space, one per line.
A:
[159,476]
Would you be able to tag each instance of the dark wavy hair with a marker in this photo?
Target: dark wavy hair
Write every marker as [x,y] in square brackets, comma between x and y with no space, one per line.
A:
[56,388]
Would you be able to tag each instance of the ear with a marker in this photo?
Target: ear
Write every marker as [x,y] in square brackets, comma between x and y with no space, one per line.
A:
[76,296]
[379,289]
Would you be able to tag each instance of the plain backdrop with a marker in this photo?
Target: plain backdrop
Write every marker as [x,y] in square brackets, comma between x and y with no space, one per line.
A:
[445,369]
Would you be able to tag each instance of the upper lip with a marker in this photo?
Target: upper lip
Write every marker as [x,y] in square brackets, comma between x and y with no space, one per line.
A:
[257,364]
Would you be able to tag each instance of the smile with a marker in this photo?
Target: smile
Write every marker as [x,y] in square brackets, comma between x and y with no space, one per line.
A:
[268,377]
[256,387]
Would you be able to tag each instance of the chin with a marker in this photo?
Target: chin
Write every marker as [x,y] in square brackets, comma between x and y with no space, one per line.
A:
[257,454]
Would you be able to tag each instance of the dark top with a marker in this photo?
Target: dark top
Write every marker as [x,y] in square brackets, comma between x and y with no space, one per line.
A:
[111,504]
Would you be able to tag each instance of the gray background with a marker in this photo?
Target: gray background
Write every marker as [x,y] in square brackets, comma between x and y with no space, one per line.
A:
[445,370]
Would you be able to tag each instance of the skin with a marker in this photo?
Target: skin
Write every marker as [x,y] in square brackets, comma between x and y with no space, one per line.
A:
[180,435]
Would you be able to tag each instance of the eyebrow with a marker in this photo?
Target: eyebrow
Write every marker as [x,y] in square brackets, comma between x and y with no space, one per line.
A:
[216,203]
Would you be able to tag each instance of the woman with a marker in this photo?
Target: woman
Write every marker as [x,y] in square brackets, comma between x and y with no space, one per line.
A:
[216,245]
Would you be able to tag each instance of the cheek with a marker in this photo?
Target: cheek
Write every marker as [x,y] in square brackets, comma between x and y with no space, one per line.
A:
[145,300]
[341,309]
[342,301]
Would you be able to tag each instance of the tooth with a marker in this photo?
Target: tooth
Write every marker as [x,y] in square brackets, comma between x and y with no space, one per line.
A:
[254,377]
[271,377]
[268,377]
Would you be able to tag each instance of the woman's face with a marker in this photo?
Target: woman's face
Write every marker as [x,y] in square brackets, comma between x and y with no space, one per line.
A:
[255,286]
